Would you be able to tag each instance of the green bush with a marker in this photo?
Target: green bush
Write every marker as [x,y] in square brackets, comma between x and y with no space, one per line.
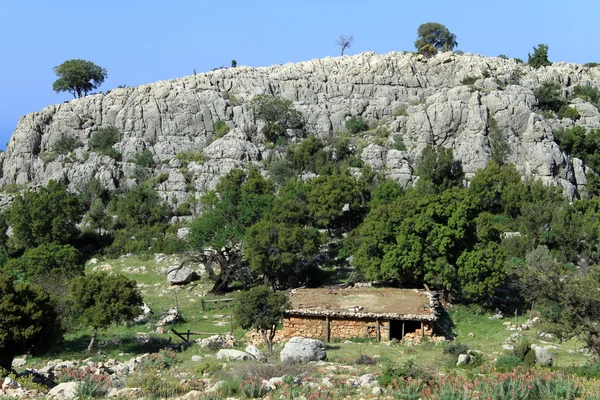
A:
[521,348]
[568,112]
[187,157]
[356,124]
[104,138]
[278,114]
[66,144]
[469,80]
[47,156]
[408,370]
[399,143]
[145,159]
[184,209]
[272,131]
[221,129]
[428,50]
[539,58]
[455,348]
[549,96]
[507,363]
[208,367]
[363,359]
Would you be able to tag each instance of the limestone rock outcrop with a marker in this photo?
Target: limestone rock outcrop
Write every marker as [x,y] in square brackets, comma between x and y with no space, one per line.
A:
[422,101]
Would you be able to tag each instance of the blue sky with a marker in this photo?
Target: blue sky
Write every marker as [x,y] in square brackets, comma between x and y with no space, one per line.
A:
[140,42]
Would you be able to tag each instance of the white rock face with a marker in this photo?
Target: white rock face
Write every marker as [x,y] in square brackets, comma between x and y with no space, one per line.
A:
[422,101]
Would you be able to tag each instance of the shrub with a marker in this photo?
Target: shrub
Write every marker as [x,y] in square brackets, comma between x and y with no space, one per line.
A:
[144,159]
[66,144]
[184,209]
[503,56]
[455,348]
[279,115]
[428,51]
[47,156]
[273,131]
[522,348]
[591,64]
[365,360]
[399,143]
[507,363]
[104,138]
[400,111]
[221,129]
[469,80]
[539,58]
[356,124]
[208,367]
[162,360]
[568,112]
[187,157]
[549,96]
[515,76]
[409,370]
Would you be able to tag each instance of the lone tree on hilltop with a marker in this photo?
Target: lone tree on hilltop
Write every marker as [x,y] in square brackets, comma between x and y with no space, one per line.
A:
[262,310]
[539,58]
[101,300]
[28,321]
[345,42]
[436,35]
[78,77]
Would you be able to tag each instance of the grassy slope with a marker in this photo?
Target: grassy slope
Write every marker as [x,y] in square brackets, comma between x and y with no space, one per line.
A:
[487,335]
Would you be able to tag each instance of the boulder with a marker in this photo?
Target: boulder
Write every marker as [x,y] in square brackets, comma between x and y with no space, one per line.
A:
[233,355]
[180,275]
[18,362]
[65,390]
[464,359]
[299,349]
[9,383]
[542,356]
[256,353]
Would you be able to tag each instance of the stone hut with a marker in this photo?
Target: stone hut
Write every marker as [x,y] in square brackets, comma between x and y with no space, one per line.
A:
[379,313]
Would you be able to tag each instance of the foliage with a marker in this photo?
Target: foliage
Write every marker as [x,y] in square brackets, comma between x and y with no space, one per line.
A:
[355,125]
[399,143]
[145,159]
[507,363]
[439,167]
[455,348]
[436,35]
[278,114]
[28,321]
[549,96]
[100,300]
[539,58]
[66,144]
[569,299]
[469,80]
[103,140]
[568,112]
[498,143]
[428,50]
[78,77]
[588,93]
[187,157]
[407,371]
[261,309]
[49,215]
[238,202]
[585,145]
[45,261]
[221,129]
[141,206]
[364,359]
[274,250]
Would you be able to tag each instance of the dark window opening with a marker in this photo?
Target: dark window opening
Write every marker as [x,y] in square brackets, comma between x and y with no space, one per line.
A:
[409,327]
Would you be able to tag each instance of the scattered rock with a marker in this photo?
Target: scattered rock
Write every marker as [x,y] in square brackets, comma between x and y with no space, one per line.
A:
[18,362]
[256,353]
[196,358]
[299,349]
[233,355]
[65,390]
[464,359]
[542,356]
[180,275]
[9,383]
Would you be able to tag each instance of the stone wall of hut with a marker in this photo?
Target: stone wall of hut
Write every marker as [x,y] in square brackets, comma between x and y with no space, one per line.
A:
[340,328]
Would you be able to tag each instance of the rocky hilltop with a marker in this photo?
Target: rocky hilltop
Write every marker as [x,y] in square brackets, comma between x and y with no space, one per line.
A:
[447,100]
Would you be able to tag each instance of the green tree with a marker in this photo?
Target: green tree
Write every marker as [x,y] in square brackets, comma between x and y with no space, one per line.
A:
[569,300]
[278,114]
[437,165]
[587,92]
[46,261]
[480,272]
[275,250]
[49,215]
[334,201]
[141,206]
[436,35]
[539,58]
[261,309]
[498,143]
[28,321]
[78,77]
[549,96]
[238,202]
[100,300]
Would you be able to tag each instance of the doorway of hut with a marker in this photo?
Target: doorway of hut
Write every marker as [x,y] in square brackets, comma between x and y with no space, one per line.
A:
[409,327]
